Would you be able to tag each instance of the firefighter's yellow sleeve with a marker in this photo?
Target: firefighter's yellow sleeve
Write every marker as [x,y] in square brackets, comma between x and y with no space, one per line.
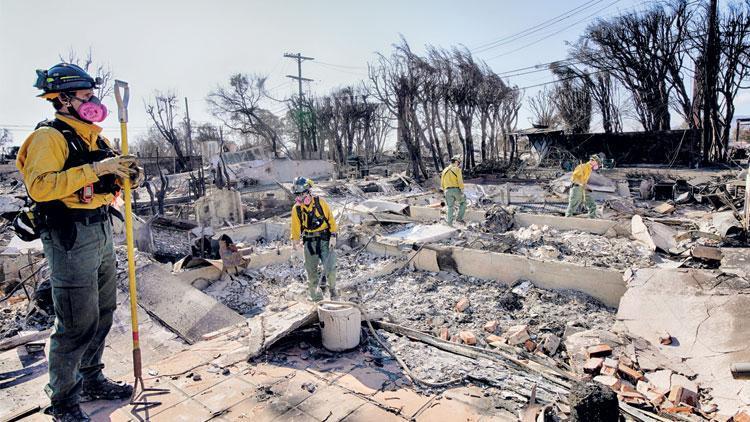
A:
[296,229]
[329,215]
[40,161]
[581,174]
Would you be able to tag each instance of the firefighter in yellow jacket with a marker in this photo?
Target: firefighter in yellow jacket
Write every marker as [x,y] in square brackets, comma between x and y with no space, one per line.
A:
[72,174]
[452,184]
[580,194]
[314,228]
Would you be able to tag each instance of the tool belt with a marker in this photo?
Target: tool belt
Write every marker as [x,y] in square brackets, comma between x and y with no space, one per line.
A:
[88,217]
[65,225]
[313,240]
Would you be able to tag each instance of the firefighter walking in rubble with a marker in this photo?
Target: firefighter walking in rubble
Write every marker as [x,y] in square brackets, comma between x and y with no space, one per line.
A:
[452,184]
[580,194]
[73,175]
[314,229]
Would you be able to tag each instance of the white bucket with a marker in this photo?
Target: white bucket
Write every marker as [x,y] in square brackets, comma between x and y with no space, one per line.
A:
[339,326]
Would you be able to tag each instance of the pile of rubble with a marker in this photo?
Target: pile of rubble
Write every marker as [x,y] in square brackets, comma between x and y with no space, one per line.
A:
[658,390]
[480,312]
[568,246]
[581,248]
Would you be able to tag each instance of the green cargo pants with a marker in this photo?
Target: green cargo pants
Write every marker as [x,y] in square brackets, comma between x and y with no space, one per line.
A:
[83,293]
[317,251]
[578,197]
[453,196]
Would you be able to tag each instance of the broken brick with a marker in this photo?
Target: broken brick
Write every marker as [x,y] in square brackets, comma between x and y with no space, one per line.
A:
[612,363]
[455,339]
[642,387]
[591,366]
[550,344]
[679,394]
[626,360]
[444,334]
[631,394]
[706,252]
[517,334]
[609,381]
[678,409]
[468,337]
[491,326]
[629,372]
[462,304]
[655,397]
[664,208]
[598,351]
[529,345]
[493,338]
[608,370]
[628,388]
[742,416]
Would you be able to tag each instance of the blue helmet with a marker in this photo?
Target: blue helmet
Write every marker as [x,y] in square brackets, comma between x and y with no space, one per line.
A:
[301,185]
[64,77]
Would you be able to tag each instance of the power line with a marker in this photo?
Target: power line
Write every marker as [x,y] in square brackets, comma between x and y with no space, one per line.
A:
[340,65]
[541,67]
[340,70]
[535,28]
[556,32]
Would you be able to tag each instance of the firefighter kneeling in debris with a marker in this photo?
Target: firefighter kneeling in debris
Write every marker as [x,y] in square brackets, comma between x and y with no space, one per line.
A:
[73,175]
[314,228]
[580,194]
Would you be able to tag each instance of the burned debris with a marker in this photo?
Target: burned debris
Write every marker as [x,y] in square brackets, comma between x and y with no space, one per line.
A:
[399,248]
[537,344]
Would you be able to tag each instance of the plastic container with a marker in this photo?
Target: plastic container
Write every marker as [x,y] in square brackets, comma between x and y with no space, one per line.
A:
[339,325]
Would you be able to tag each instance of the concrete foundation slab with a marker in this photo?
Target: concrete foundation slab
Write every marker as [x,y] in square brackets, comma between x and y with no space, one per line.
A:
[186,310]
[435,214]
[605,285]
[735,261]
[590,225]
[708,321]
[271,326]
[422,233]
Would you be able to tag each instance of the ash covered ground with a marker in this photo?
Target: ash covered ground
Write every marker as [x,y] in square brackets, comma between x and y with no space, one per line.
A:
[549,244]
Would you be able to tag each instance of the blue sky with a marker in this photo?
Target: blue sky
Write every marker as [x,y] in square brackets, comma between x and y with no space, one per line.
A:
[191,46]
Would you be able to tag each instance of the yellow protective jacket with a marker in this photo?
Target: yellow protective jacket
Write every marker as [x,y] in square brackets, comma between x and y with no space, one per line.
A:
[581,174]
[301,226]
[452,178]
[42,157]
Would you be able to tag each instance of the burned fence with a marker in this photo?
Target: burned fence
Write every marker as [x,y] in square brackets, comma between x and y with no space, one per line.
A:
[669,147]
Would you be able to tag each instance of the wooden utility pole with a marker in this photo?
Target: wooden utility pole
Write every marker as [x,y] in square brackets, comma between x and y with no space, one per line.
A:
[709,80]
[189,140]
[300,58]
